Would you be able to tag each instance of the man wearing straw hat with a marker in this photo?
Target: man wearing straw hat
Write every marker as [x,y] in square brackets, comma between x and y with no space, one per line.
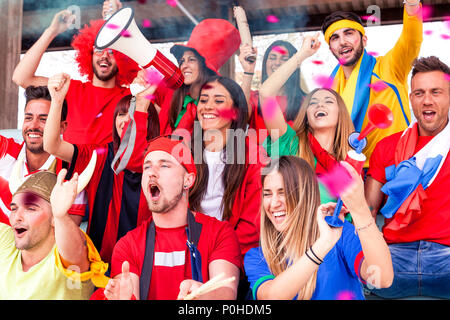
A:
[363,80]
[43,246]
[176,251]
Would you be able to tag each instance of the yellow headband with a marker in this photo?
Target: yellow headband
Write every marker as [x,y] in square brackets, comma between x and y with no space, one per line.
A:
[341,24]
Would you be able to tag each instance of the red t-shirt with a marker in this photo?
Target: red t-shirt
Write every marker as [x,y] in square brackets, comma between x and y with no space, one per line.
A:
[433,223]
[90,112]
[217,241]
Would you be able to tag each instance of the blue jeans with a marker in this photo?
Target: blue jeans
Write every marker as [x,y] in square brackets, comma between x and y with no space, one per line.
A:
[421,268]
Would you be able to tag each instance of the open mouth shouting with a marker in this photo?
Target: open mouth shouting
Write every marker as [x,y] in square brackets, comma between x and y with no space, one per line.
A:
[20,231]
[320,114]
[428,115]
[155,191]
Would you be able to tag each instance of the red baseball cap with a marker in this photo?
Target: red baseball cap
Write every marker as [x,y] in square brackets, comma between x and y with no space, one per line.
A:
[174,146]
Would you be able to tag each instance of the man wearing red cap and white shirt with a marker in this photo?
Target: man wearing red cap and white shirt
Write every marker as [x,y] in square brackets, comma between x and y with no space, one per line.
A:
[156,260]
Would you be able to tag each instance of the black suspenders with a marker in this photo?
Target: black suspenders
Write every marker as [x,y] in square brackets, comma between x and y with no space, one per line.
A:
[193,230]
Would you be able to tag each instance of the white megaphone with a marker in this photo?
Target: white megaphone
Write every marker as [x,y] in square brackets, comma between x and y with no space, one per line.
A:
[121,33]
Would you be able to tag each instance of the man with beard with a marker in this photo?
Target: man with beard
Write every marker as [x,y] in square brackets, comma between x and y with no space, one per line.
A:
[90,104]
[43,246]
[408,182]
[363,80]
[176,250]
[29,156]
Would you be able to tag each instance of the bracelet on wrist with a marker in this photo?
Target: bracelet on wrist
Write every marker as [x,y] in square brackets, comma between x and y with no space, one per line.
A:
[315,255]
[318,263]
[249,73]
[364,227]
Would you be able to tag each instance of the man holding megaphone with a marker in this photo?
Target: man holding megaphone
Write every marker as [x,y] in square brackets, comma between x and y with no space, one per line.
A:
[90,104]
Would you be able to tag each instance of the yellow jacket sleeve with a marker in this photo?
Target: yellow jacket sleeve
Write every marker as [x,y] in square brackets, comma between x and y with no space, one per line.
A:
[397,63]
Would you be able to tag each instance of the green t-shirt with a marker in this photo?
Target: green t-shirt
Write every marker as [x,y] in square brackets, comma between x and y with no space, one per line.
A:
[287,145]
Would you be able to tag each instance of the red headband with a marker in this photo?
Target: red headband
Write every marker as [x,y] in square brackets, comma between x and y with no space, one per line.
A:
[175,148]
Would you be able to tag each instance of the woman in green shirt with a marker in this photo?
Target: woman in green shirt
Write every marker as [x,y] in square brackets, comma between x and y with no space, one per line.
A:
[320,131]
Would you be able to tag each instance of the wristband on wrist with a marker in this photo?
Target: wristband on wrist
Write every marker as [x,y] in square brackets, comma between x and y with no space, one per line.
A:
[364,227]
[411,4]
[249,73]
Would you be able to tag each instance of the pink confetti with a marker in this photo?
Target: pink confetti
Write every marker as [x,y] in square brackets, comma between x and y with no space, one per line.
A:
[99,115]
[447,22]
[445,36]
[269,107]
[373,53]
[280,50]
[125,34]
[272,18]
[428,32]
[378,86]
[336,180]
[153,77]
[323,81]
[372,18]
[172,3]
[229,114]
[112,26]
[101,150]
[146,23]
[342,61]
[318,62]
[345,295]
[150,97]
[427,12]
[447,77]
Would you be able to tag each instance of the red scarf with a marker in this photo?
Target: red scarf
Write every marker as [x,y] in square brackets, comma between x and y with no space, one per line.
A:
[404,150]
[325,161]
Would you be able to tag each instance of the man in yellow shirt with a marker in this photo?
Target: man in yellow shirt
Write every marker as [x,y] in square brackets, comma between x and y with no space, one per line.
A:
[43,245]
[363,80]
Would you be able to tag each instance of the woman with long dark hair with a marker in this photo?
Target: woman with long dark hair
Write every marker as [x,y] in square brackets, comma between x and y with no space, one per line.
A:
[211,44]
[301,256]
[116,203]
[290,92]
[228,182]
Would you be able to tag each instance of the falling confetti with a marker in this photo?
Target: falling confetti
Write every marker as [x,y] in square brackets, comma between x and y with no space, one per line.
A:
[427,12]
[112,26]
[272,18]
[323,81]
[150,97]
[269,107]
[445,36]
[373,53]
[318,62]
[336,180]
[447,77]
[345,295]
[342,61]
[229,114]
[172,3]
[125,34]
[146,23]
[428,32]
[447,22]
[280,50]
[372,18]
[378,86]
[153,76]
[99,115]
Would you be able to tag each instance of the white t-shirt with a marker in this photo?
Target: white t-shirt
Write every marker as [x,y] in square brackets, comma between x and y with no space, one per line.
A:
[212,200]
